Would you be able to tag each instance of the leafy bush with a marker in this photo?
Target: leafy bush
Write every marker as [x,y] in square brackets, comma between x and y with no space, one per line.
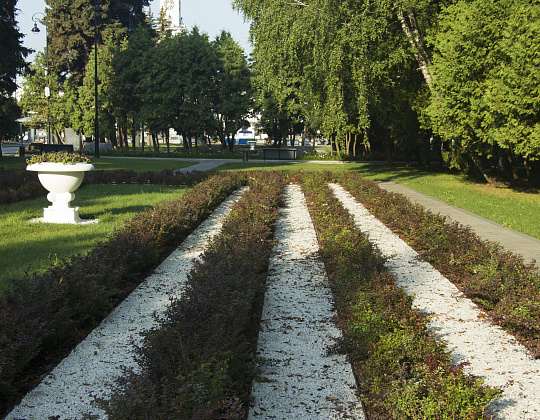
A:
[43,317]
[402,372]
[18,185]
[180,153]
[198,362]
[60,157]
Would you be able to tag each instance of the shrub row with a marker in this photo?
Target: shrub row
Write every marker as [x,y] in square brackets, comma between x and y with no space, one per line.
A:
[506,288]
[214,152]
[17,185]
[43,317]
[199,362]
[402,372]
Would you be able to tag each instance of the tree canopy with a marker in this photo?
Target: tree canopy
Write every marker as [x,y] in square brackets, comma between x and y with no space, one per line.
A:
[410,77]
[12,53]
[71,27]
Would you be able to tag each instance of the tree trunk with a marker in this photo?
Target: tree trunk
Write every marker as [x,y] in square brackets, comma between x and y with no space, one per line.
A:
[388,151]
[142,137]
[367,145]
[134,137]
[155,142]
[528,167]
[417,43]
[489,173]
[223,141]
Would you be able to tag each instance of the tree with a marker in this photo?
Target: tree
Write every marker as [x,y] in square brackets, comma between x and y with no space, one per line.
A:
[70,25]
[11,50]
[512,90]
[485,65]
[128,64]
[175,86]
[233,95]
[35,104]
[338,57]
[86,93]
[9,112]
[12,62]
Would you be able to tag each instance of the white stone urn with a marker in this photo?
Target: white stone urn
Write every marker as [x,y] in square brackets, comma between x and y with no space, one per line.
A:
[60,179]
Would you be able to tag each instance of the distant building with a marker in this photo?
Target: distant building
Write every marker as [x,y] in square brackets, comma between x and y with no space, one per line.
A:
[173,12]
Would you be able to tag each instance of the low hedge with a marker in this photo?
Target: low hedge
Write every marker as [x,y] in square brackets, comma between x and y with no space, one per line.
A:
[17,185]
[198,362]
[42,318]
[20,184]
[402,372]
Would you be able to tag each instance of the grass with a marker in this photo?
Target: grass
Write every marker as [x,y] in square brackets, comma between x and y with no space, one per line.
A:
[510,207]
[108,163]
[26,246]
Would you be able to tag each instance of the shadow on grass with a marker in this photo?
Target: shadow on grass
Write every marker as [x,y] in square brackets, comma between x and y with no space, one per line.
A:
[36,255]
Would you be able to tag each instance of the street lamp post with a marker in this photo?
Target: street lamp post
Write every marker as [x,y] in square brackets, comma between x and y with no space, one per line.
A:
[97,11]
[35,30]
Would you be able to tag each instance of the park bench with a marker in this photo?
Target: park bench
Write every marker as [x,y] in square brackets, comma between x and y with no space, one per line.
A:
[279,154]
[48,148]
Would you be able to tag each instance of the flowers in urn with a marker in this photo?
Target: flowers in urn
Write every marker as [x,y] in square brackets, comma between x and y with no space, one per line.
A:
[60,157]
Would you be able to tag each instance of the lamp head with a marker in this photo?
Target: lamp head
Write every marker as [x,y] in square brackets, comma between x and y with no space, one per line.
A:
[97,8]
[35,29]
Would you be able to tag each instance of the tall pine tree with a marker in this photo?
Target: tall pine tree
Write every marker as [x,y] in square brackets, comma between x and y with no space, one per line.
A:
[71,26]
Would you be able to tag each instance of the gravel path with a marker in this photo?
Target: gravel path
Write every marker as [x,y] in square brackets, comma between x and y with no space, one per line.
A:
[70,388]
[300,380]
[492,353]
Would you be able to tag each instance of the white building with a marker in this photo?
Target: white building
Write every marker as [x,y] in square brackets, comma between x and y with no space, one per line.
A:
[173,12]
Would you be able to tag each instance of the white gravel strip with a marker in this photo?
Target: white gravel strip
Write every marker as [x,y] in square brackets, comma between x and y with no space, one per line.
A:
[492,353]
[300,380]
[69,390]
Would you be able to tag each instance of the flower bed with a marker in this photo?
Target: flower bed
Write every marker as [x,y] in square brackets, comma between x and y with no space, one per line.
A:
[42,318]
[498,281]
[198,363]
[63,157]
[402,372]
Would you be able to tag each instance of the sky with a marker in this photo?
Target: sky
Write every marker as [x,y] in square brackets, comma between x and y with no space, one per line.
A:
[211,16]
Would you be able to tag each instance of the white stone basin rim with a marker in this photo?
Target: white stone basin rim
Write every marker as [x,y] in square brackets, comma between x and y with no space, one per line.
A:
[60,167]
[60,178]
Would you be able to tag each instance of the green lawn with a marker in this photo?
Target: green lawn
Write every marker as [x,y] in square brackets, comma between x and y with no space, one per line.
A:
[107,163]
[510,207]
[27,246]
